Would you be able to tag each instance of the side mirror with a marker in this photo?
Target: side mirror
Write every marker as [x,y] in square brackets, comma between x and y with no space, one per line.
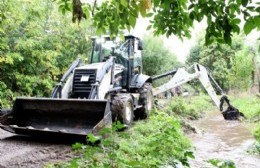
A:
[140,45]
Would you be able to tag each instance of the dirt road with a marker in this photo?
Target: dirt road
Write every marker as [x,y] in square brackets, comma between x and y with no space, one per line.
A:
[19,151]
[224,140]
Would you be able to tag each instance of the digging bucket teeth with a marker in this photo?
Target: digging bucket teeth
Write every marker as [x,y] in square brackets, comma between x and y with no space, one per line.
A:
[48,116]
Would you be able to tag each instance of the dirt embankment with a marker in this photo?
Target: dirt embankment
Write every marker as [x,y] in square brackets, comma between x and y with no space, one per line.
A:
[19,151]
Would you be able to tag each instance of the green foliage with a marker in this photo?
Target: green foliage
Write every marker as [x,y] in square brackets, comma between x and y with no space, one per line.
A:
[257,135]
[191,109]
[172,17]
[157,58]
[222,163]
[6,95]
[137,147]
[242,68]
[255,149]
[36,47]
[251,108]
[231,66]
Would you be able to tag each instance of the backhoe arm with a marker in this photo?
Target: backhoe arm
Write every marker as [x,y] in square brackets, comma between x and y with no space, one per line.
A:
[182,76]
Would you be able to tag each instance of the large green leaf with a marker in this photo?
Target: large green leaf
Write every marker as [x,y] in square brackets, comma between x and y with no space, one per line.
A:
[124,3]
[244,3]
[132,20]
[149,27]
[249,26]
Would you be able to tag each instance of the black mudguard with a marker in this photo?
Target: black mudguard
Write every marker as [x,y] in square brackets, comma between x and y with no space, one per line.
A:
[139,80]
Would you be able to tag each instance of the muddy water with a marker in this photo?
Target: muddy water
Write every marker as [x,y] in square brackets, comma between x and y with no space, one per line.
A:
[220,139]
[19,151]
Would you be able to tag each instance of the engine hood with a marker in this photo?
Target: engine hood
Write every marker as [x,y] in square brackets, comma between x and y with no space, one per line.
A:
[101,68]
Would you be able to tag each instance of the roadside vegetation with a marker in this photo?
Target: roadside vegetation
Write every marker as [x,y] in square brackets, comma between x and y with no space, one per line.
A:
[158,141]
[249,105]
[191,107]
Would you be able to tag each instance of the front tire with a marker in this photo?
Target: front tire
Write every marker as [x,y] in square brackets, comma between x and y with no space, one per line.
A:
[122,108]
[146,100]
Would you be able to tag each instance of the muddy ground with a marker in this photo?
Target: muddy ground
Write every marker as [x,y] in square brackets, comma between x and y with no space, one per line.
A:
[224,140]
[24,152]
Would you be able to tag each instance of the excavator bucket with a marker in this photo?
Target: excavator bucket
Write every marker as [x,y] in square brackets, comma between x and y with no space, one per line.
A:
[48,116]
[231,113]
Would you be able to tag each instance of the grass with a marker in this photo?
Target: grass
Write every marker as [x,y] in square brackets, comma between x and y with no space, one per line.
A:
[155,142]
[222,163]
[250,106]
[193,108]
[255,149]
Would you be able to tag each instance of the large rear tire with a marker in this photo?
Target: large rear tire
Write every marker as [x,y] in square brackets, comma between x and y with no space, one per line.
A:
[146,100]
[122,108]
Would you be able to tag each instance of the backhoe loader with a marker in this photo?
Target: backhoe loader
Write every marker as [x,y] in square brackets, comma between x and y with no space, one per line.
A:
[111,87]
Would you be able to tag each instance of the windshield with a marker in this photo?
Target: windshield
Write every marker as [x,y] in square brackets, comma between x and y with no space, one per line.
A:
[102,51]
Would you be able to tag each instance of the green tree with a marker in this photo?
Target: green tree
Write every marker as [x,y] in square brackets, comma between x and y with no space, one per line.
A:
[156,57]
[171,16]
[37,44]
[242,68]
[229,65]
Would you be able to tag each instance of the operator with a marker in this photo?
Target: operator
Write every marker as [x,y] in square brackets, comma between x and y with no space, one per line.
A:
[103,54]
[106,52]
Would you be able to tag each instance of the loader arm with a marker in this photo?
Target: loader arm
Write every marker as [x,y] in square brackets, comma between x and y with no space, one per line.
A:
[182,76]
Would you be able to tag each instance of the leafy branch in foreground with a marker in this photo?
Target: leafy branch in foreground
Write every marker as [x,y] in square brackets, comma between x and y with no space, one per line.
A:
[172,17]
[139,146]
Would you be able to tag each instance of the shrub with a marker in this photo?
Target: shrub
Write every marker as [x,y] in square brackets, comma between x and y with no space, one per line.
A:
[6,96]
[191,109]
[139,146]
[249,106]
[257,133]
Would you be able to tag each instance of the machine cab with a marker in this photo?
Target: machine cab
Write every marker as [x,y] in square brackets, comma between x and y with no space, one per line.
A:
[105,46]
[127,53]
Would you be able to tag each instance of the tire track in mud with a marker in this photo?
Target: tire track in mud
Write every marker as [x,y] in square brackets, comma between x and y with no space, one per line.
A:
[24,152]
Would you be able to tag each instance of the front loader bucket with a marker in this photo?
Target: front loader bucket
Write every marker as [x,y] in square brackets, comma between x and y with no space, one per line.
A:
[48,116]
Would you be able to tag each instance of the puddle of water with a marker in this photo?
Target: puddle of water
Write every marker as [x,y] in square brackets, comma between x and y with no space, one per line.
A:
[221,139]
